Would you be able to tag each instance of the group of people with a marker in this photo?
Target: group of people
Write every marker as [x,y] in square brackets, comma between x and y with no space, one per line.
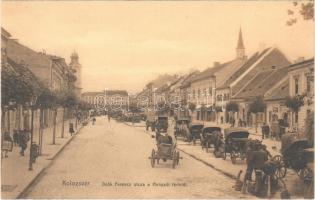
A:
[20,138]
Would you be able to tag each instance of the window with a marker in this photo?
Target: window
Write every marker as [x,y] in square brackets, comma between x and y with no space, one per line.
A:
[193,94]
[210,91]
[308,84]
[198,93]
[205,92]
[296,117]
[296,85]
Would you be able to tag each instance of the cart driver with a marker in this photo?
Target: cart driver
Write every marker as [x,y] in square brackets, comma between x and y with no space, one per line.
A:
[165,139]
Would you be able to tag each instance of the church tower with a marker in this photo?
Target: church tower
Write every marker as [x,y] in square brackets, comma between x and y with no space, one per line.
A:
[240,49]
[76,67]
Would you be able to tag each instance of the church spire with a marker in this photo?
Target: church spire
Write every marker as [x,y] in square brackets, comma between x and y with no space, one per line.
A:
[240,49]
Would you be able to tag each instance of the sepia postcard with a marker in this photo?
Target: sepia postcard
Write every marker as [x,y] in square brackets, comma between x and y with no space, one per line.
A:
[157,99]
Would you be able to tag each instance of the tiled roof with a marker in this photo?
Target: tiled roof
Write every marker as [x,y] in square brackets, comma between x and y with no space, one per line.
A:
[187,80]
[281,92]
[242,69]
[209,72]
[261,83]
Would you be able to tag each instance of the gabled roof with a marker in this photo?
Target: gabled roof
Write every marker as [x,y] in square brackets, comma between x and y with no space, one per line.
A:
[261,83]
[280,92]
[243,68]
[187,80]
[207,73]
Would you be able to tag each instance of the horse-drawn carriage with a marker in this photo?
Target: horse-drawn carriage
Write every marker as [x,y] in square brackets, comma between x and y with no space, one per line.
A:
[296,154]
[182,127]
[195,130]
[209,136]
[235,143]
[165,151]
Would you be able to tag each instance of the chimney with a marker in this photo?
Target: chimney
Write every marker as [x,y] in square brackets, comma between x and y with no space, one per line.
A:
[215,64]
[299,59]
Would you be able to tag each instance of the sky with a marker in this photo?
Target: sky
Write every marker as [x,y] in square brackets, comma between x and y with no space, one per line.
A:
[125,44]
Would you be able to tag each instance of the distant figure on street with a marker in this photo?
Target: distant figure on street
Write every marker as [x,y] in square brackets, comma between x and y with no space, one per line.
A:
[265,130]
[23,139]
[233,122]
[71,129]
[6,138]
[93,120]
[108,116]
[240,123]
[15,137]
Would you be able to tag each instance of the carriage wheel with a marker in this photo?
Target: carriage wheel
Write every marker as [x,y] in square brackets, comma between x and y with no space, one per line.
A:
[177,159]
[174,159]
[233,157]
[303,173]
[281,168]
[153,158]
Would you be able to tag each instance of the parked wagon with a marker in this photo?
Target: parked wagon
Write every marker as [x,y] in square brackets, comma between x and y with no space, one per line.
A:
[195,130]
[165,152]
[209,136]
[181,128]
[295,154]
[235,143]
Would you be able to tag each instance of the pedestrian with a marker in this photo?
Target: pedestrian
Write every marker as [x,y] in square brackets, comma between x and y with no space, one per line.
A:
[233,122]
[71,129]
[108,116]
[23,139]
[93,120]
[265,130]
[15,137]
[6,138]
[240,123]
[281,128]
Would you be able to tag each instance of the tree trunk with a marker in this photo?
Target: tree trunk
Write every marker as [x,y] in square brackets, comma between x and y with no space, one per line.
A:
[54,128]
[63,123]
[40,135]
[256,125]
[2,120]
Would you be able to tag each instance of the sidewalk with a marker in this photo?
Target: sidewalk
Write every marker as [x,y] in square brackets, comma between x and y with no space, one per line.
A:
[15,174]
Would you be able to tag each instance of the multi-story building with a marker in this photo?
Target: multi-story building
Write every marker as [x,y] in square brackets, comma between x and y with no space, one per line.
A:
[203,86]
[301,82]
[107,99]
[252,71]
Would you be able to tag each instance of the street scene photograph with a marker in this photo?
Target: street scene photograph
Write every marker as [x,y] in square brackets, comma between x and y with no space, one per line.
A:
[157,99]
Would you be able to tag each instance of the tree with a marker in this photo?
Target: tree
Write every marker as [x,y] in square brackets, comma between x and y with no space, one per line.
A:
[48,100]
[309,127]
[257,106]
[305,9]
[66,100]
[192,107]
[294,104]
